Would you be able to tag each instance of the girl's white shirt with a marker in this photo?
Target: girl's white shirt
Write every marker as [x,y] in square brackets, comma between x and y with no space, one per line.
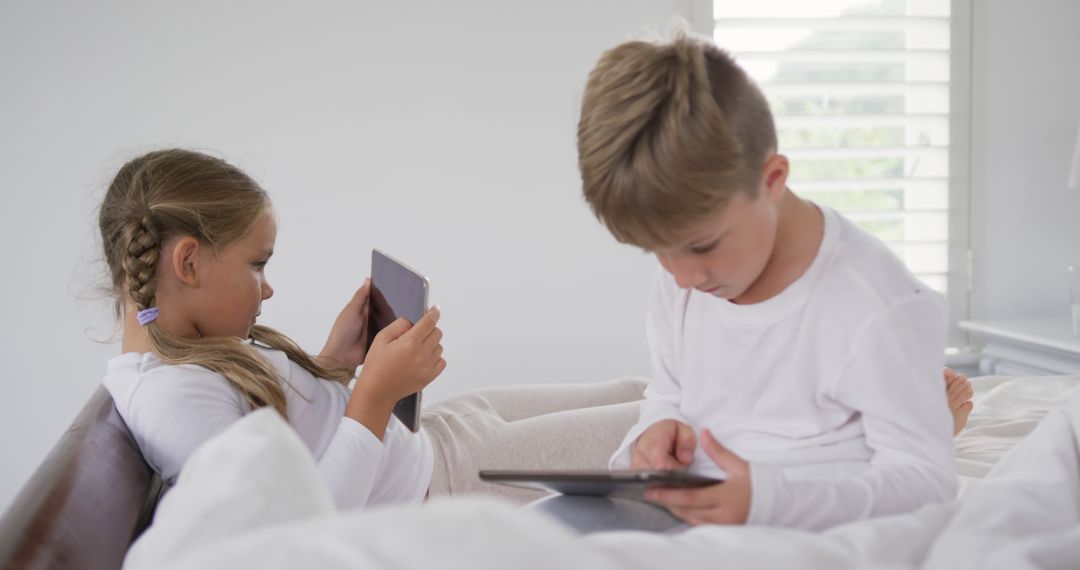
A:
[172,409]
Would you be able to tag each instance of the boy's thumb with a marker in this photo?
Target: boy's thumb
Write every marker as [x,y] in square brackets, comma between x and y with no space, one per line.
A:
[722,456]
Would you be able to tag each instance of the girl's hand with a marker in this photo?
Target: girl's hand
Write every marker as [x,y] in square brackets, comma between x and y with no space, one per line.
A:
[347,345]
[404,359]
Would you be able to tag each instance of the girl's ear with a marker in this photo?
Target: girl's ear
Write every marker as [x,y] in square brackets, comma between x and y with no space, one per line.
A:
[184,261]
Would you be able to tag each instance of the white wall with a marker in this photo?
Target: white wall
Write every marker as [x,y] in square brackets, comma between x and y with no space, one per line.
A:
[1026,111]
[443,132]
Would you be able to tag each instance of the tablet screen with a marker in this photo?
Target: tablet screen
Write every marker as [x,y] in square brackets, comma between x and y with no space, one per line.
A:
[396,291]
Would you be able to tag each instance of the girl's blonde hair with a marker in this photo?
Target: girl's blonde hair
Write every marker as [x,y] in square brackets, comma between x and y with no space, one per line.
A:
[178,192]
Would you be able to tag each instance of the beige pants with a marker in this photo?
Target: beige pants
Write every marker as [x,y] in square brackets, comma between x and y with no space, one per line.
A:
[558,426]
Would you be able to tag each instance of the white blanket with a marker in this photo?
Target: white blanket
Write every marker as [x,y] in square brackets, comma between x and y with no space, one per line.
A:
[252,498]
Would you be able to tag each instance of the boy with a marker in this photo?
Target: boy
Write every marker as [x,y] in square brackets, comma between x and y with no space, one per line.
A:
[777,327]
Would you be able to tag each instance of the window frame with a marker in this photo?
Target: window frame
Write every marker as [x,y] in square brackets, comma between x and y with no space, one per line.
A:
[960,274]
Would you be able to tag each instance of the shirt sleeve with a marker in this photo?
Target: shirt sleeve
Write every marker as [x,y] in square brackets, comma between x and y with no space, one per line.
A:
[663,394]
[893,379]
[405,472]
[171,415]
[350,464]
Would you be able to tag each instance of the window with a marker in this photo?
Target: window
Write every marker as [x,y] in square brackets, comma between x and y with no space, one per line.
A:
[861,93]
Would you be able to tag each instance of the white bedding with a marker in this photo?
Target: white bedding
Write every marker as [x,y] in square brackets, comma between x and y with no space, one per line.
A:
[1006,409]
[252,498]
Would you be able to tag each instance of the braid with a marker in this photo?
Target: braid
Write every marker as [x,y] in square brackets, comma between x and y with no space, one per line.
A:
[171,193]
[140,262]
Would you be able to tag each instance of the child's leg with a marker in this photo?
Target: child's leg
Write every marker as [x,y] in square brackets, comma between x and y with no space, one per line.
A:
[470,434]
[514,403]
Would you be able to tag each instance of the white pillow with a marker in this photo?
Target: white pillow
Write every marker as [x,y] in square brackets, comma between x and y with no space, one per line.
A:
[252,498]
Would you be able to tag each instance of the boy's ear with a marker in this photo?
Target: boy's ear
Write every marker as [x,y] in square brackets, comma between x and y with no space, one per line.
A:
[184,261]
[774,177]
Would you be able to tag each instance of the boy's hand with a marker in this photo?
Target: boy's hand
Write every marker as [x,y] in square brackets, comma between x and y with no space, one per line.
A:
[347,345]
[725,503]
[667,444]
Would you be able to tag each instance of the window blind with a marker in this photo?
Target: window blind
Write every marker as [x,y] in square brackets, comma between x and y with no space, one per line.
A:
[860,92]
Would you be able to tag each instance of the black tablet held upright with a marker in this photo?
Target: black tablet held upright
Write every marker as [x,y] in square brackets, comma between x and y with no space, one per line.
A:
[397,291]
[598,483]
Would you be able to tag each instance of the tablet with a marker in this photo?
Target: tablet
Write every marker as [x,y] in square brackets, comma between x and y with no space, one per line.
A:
[396,291]
[598,483]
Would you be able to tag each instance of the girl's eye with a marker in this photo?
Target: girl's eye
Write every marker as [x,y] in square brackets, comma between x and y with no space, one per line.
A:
[259,265]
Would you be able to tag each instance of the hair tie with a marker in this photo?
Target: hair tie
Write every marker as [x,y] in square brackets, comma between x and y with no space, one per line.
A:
[147,316]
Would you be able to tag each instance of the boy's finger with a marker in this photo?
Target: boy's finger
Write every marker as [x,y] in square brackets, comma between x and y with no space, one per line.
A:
[658,456]
[681,498]
[685,443]
[654,456]
[691,518]
[722,456]
[638,460]
[682,514]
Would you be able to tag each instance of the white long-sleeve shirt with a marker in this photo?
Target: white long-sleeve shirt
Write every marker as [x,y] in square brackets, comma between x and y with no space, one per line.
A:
[832,389]
[172,409]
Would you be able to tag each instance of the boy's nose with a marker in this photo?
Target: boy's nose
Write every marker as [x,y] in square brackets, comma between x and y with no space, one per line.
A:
[688,274]
[267,291]
[689,280]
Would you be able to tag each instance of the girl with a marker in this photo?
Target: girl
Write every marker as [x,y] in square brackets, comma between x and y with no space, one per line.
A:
[187,238]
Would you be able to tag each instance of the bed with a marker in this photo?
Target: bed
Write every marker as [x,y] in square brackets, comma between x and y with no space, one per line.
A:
[253,498]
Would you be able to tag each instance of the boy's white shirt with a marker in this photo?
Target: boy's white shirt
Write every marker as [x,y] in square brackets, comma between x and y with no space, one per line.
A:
[172,409]
[832,390]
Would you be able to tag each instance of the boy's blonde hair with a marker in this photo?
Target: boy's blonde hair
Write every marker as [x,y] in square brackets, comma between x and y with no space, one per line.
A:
[183,193]
[669,132]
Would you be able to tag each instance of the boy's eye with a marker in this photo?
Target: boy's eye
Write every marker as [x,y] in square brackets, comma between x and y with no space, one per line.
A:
[259,265]
[703,249]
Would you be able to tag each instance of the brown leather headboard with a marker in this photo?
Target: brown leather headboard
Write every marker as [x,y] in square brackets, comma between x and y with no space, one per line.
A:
[87,502]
